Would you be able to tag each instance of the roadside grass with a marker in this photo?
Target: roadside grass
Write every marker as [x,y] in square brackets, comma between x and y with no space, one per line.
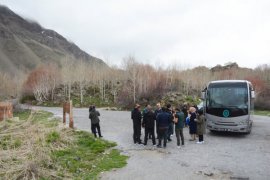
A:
[37,146]
[262,112]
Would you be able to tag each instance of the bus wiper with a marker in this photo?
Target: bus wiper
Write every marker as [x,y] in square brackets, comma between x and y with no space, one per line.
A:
[232,106]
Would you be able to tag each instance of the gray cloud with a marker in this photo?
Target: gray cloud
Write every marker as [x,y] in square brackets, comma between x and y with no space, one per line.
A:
[190,32]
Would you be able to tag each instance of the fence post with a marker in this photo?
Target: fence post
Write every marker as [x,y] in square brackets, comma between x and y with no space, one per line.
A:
[68,108]
[71,123]
[6,110]
[64,112]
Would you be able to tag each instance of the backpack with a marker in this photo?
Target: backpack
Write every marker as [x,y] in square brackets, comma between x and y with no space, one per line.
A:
[187,121]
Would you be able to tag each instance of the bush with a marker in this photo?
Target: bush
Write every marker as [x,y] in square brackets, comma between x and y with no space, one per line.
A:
[27,99]
[262,103]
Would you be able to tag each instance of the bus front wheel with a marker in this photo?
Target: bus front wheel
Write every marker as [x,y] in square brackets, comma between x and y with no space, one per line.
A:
[249,130]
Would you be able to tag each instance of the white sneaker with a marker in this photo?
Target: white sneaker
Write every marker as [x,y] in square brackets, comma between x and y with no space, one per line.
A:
[178,147]
[199,142]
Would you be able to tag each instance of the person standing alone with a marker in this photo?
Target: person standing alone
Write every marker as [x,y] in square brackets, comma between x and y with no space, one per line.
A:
[94,117]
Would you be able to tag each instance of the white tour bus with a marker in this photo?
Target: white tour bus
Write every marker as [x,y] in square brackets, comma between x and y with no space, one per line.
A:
[229,105]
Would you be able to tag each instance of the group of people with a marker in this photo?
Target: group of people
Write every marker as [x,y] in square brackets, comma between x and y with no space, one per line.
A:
[196,124]
[166,121]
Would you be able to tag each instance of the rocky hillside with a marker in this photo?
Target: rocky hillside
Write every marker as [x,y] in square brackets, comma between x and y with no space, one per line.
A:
[219,68]
[24,44]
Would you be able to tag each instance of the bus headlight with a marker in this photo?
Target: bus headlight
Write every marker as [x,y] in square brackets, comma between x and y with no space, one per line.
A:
[242,122]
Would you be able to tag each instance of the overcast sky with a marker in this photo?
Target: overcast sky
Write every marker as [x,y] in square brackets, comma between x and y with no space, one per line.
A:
[160,32]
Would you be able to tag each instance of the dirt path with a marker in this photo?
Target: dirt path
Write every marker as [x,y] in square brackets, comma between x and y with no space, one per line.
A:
[222,156]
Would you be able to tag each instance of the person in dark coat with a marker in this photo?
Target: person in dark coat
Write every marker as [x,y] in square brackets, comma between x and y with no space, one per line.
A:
[136,116]
[157,111]
[185,111]
[145,110]
[163,121]
[149,125]
[192,123]
[179,120]
[170,129]
[200,126]
[94,117]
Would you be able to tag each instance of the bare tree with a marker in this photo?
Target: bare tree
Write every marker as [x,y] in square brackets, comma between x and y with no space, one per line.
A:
[81,76]
[54,77]
[132,69]
[39,82]
[68,75]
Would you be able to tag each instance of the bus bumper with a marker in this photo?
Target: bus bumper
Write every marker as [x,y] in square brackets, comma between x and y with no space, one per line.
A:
[237,128]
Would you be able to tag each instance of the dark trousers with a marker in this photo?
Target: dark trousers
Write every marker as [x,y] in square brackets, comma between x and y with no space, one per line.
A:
[170,131]
[179,133]
[150,132]
[94,127]
[157,129]
[162,134]
[200,138]
[137,133]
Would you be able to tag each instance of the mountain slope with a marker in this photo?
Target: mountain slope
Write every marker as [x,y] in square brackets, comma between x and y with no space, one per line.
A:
[24,45]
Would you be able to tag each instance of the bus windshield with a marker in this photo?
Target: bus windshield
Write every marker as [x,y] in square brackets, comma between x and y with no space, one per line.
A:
[227,95]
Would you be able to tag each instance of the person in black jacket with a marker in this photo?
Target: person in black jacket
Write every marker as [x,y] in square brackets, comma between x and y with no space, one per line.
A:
[136,116]
[149,125]
[170,129]
[94,117]
[163,121]
[185,111]
[157,111]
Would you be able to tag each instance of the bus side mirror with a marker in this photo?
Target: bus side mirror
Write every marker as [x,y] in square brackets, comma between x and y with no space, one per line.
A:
[253,94]
[203,95]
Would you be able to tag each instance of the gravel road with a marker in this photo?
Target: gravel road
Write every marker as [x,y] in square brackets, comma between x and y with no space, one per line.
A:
[222,156]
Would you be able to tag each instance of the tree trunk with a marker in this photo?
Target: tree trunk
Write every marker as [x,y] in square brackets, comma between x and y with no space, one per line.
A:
[69,90]
[134,93]
[81,92]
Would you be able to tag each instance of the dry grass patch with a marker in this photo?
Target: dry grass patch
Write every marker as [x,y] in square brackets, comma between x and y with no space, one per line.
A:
[38,147]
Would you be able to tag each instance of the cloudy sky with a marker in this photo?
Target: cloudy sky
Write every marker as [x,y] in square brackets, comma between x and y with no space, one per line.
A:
[185,33]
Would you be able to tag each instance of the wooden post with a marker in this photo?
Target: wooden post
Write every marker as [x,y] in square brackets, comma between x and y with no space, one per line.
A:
[64,112]
[6,110]
[71,123]
[68,108]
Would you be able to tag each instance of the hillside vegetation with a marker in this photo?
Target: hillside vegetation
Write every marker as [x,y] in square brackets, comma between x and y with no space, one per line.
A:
[86,84]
